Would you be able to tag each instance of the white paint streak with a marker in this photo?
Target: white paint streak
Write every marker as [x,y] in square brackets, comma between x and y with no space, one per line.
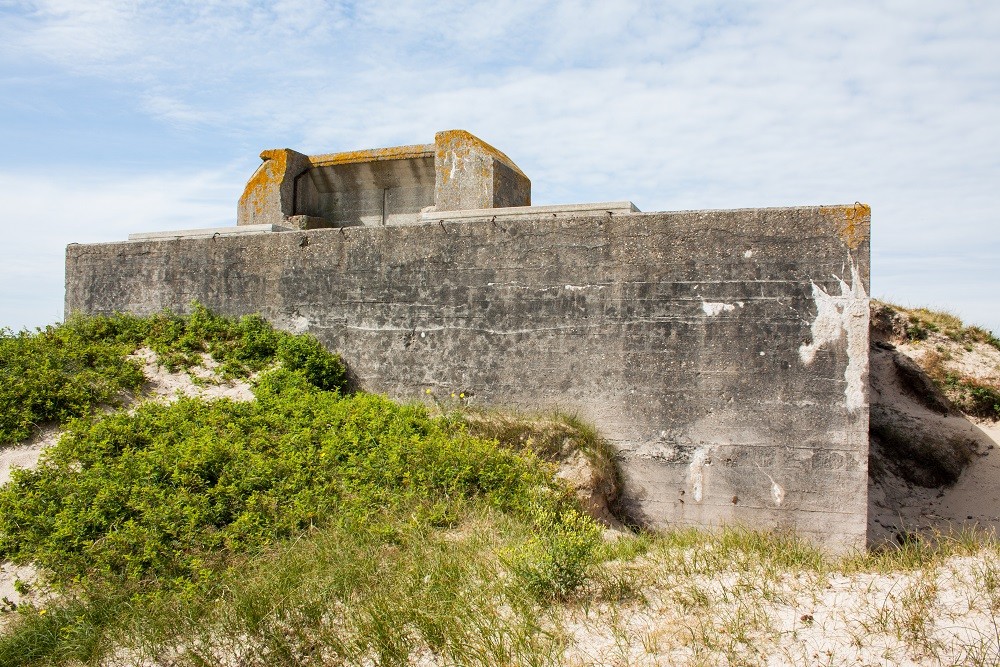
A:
[835,316]
[697,475]
[777,493]
[713,308]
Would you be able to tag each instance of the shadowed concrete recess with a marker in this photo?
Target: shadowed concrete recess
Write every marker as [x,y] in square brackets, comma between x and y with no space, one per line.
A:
[723,353]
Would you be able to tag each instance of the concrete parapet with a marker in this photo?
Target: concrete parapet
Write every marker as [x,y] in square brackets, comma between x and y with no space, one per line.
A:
[269,195]
[384,186]
[516,212]
[207,232]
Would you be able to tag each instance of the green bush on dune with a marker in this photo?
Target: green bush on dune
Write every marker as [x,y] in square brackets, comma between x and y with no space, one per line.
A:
[60,372]
[166,507]
[161,495]
[69,370]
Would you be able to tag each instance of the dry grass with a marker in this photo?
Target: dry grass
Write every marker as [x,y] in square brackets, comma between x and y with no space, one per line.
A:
[743,598]
[924,321]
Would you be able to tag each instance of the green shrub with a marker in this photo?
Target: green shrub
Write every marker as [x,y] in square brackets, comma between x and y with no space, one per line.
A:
[305,353]
[165,495]
[973,397]
[69,370]
[555,562]
[160,513]
[241,345]
[63,371]
[915,330]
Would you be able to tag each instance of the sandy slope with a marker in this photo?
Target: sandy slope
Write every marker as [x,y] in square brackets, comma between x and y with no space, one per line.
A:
[975,498]
[903,496]
[896,506]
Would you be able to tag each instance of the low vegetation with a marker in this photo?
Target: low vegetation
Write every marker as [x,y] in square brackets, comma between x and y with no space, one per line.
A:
[921,322]
[170,505]
[973,396]
[315,526]
[158,496]
[71,370]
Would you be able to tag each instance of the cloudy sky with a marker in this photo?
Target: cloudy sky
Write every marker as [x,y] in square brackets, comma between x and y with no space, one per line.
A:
[119,116]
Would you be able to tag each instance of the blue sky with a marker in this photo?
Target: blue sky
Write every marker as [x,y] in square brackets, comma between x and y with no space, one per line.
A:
[136,116]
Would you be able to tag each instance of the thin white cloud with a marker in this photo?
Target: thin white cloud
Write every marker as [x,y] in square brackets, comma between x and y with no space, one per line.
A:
[76,33]
[674,105]
[46,211]
[176,111]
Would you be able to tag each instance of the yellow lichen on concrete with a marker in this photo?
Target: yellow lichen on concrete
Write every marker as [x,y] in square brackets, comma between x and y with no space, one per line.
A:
[853,222]
[453,151]
[465,175]
[461,137]
[267,177]
[373,155]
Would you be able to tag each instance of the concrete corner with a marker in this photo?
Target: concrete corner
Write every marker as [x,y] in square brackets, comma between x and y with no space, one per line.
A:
[269,195]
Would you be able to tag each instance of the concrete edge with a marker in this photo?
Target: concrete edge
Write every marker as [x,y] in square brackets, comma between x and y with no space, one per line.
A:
[558,210]
[207,232]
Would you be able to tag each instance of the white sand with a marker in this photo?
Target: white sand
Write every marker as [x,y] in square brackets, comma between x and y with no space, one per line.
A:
[26,454]
[941,617]
[162,385]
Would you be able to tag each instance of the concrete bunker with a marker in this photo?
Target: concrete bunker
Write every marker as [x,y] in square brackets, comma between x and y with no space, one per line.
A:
[722,353]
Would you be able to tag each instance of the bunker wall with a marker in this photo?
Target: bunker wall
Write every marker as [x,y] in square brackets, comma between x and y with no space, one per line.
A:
[723,353]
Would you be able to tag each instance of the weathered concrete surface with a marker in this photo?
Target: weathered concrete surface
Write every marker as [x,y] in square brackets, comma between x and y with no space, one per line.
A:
[364,187]
[513,213]
[723,352]
[206,232]
[371,188]
[471,174]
